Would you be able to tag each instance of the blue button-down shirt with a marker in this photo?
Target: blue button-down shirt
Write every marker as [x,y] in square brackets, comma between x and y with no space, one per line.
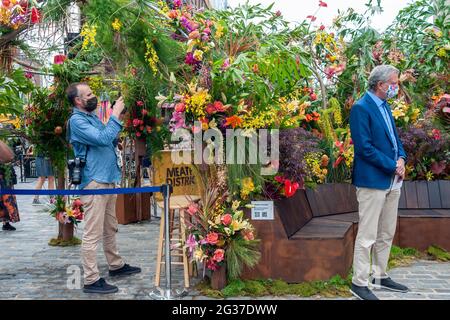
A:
[382,106]
[86,129]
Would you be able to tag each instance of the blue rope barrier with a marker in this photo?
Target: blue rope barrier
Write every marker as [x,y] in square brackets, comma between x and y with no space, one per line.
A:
[81,192]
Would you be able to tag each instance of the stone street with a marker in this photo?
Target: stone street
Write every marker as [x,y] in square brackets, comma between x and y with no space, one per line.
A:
[31,269]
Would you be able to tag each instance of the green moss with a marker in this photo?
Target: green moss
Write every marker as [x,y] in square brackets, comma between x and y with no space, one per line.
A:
[255,288]
[438,253]
[235,288]
[305,289]
[61,243]
[402,256]
[278,287]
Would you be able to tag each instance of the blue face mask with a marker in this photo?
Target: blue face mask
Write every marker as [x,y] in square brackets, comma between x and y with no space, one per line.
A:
[391,92]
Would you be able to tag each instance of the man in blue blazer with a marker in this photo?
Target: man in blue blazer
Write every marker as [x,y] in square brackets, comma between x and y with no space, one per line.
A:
[378,171]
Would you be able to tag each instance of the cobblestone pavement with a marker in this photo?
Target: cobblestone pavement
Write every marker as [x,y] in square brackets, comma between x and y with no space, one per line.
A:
[31,269]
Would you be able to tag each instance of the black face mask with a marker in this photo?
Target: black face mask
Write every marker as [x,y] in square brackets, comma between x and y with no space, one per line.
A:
[91,104]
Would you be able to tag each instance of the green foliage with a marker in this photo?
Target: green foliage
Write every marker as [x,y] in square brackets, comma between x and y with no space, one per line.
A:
[402,256]
[241,253]
[59,242]
[13,87]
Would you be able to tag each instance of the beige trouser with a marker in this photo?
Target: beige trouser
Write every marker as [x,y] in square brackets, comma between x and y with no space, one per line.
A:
[376,229]
[100,224]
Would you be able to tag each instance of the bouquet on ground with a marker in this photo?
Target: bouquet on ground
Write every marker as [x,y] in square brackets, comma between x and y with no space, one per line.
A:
[65,210]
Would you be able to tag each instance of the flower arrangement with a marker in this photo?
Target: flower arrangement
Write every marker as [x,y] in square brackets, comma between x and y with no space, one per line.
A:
[219,234]
[65,211]
[404,113]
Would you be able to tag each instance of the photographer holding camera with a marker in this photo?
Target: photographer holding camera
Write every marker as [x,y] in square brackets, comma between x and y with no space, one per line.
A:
[95,159]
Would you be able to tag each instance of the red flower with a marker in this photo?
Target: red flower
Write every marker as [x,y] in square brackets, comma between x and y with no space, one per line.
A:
[136,122]
[436,134]
[290,188]
[77,203]
[59,59]
[192,209]
[138,134]
[340,145]
[212,238]
[210,109]
[309,118]
[322,27]
[35,15]
[227,219]
[279,179]
[322,4]
[212,265]
[313,97]
[140,103]
[144,112]
[219,106]
[337,162]
[28,75]
[313,18]
[219,254]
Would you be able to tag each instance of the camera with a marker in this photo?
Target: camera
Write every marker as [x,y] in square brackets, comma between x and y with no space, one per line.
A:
[114,102]
[75,166]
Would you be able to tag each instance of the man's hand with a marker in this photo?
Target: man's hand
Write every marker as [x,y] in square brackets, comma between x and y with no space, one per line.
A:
[118,108]
[400,171]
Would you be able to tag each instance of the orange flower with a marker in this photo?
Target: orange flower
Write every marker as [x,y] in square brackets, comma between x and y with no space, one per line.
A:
[233,121]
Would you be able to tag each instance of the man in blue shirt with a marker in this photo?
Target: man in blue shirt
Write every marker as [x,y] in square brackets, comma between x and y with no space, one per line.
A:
[96,142]
[378,169]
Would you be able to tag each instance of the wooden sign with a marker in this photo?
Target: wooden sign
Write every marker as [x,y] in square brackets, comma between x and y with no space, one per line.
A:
[184,177]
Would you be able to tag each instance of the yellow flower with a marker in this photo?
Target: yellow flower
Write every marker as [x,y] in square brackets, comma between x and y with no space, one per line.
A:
[198,55]
[205,126]
[198,254]
[429,176]
[247,187]
[116,25]
[88,34]
[219,31]
[441,52]
[213,124]
[397,113]
[151,56]
[235,205]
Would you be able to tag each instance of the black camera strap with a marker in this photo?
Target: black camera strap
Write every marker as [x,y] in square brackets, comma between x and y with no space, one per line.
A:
[68,134]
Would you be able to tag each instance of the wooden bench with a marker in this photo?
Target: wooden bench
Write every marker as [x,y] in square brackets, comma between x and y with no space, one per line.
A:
[312,235]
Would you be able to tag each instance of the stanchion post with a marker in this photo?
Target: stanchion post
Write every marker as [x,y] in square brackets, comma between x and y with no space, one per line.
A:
[167,293]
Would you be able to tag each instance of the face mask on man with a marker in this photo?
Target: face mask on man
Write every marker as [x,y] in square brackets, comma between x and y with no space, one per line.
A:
[391,92]
[91,104]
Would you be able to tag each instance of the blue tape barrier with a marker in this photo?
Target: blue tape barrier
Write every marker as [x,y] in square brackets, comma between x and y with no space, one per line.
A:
[82,192]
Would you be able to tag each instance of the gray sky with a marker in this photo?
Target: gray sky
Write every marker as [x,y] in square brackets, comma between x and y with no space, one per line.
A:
[297,10]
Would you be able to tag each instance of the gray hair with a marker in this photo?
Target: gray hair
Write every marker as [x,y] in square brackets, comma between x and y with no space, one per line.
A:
[381,73]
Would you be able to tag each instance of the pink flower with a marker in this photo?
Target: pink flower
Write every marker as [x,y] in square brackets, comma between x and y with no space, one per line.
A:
[436,134]
[279,179]
[207,31]
[136,122]
[28,75]
[313,18]
[180,107]
[192,209]
[278,13]
[219,254]
[177,3]
[138,134]
[140,103]
[227,219]
[210,109]
[322,27]
[322,4]
[226,64]
[212,238]
[191,243]
[144,112]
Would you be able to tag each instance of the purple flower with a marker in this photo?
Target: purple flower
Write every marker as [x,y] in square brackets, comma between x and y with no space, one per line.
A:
[190,59]
[177,3]
[226,64]
[177,121]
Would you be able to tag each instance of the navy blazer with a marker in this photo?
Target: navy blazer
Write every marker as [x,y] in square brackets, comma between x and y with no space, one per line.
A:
[374,164]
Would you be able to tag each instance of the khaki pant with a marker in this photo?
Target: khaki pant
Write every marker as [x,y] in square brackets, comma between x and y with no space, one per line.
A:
[376,229]
[100,224]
